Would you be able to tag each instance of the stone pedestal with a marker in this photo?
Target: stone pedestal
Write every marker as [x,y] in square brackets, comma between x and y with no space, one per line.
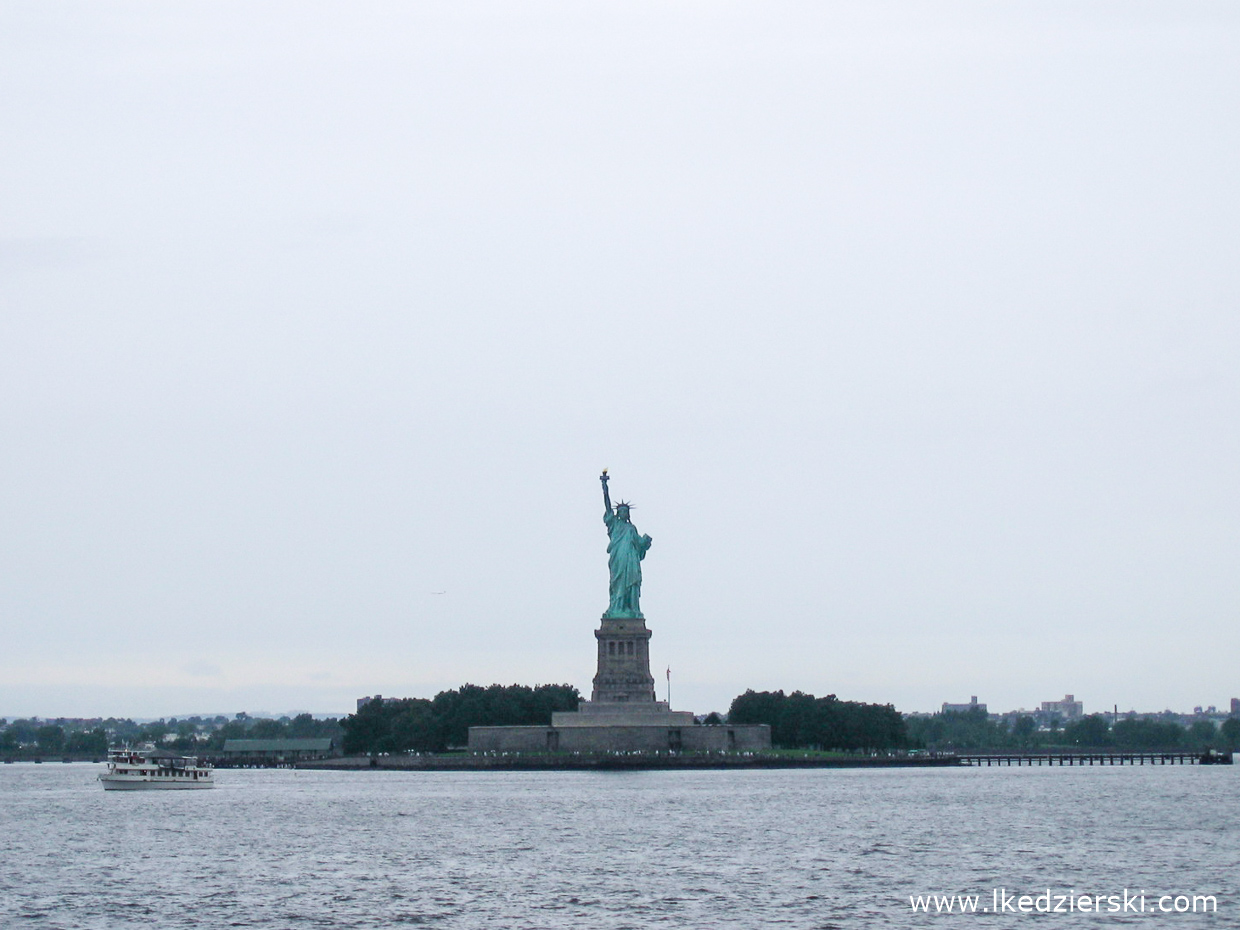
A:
[623,663]
[623,693]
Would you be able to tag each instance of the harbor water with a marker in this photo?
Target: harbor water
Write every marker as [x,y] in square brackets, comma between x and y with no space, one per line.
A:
[818,848]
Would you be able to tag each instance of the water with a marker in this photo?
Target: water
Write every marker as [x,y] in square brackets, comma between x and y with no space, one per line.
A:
[803,849]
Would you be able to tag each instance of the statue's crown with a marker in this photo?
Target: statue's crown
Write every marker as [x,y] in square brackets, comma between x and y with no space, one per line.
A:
[626,505]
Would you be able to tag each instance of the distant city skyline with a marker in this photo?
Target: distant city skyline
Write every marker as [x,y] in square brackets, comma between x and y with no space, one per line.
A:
[1223,710]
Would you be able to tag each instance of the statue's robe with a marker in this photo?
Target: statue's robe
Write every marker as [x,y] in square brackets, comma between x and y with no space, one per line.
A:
[625,552]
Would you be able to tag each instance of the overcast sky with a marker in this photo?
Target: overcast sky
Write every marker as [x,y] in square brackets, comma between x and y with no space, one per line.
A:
[910,329]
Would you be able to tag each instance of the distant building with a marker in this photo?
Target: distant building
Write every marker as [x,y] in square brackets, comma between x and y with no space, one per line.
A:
[280,750]
[1069,708]
[1235,707]
[964,708]
[363,701]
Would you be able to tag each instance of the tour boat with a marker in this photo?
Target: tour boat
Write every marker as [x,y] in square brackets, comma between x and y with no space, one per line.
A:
[139,769]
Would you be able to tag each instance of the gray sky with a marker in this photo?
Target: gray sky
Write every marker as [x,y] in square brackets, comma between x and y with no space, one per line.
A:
[910,329]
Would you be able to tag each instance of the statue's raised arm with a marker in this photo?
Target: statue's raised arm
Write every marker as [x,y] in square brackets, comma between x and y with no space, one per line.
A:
[625,550]
[606,497]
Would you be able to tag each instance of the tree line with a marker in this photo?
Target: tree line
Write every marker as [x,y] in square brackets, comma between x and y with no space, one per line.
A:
[443,722]
[797,720]
[802,721]
[975,729]
[25,738]
[34,738]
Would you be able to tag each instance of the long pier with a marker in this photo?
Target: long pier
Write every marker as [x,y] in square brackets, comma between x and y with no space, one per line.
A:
[1106,757]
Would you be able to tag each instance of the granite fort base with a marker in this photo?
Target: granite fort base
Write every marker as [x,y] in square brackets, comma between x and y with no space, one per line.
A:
[621,738]
[622,715]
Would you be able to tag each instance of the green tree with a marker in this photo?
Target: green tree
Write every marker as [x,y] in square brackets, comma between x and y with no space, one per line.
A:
[802,721]
[1202,734]
[1088,731]
[1024,731]
[303,726]
[91,742]
[1142,733]
[263,728]
[233,729]
[416,724]
[367,730]
[154,732]
[956,730]
[415,728]
[23,731]
[50,738]
[1229,734]
[123,731]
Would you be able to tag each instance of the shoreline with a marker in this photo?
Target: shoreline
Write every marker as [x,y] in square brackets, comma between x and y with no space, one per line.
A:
[452,762]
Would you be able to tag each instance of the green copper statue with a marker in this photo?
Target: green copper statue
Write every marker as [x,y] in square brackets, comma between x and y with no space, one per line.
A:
[625,552]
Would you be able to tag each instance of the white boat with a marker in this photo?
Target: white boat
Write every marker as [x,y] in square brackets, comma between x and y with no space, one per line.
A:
[142,769]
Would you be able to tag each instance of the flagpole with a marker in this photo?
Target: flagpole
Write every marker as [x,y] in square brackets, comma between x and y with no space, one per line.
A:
[669,687]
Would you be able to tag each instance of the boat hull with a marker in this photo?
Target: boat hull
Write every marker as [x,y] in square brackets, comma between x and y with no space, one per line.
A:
[144,784]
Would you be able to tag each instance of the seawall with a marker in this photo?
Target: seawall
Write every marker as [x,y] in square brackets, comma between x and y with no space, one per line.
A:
[468,762]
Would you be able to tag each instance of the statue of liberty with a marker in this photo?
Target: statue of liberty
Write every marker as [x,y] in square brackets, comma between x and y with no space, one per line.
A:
[625,551]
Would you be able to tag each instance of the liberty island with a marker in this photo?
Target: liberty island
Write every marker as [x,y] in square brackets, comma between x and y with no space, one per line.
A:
[623,713]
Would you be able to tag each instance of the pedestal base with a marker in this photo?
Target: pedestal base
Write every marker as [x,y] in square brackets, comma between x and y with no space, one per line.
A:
[620,738]
[622,714]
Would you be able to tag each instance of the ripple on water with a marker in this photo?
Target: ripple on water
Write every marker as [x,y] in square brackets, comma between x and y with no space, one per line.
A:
[801,849]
